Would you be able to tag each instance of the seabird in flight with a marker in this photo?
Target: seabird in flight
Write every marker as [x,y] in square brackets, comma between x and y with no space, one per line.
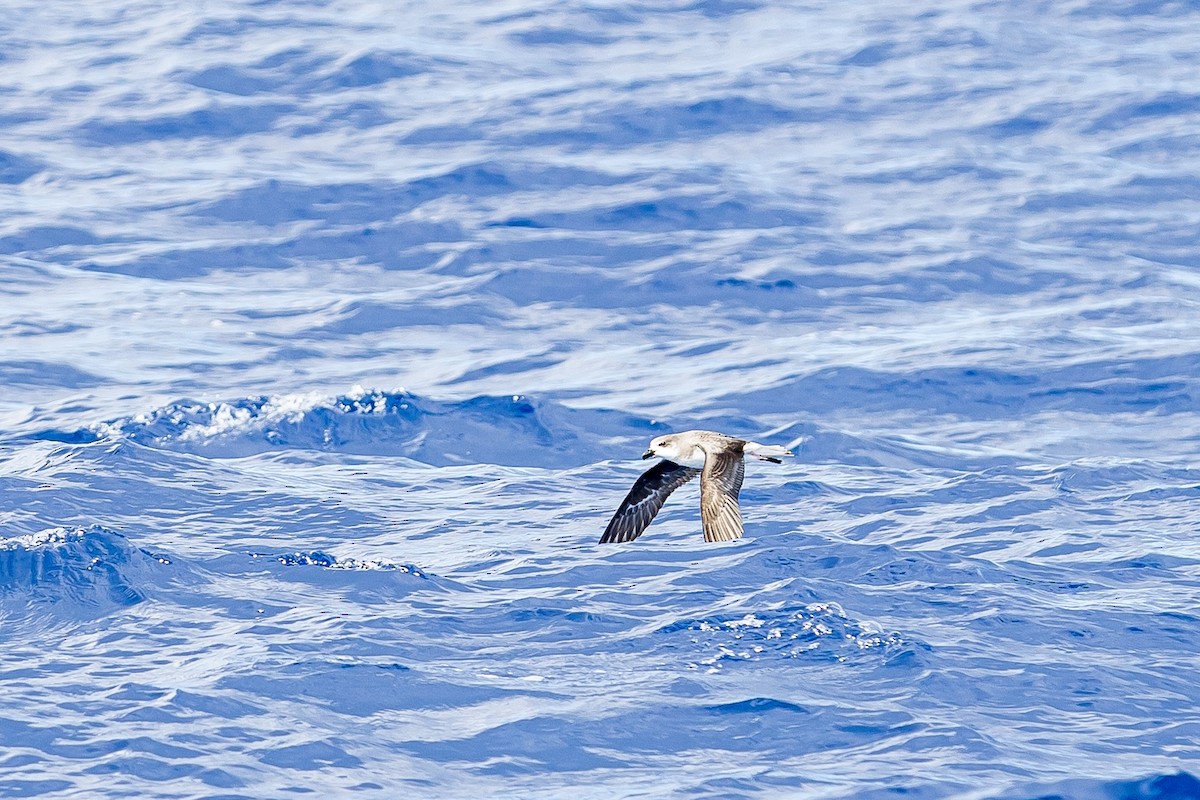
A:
[716,458]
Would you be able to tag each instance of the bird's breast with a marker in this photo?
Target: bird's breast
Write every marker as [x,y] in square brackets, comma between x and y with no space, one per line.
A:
[693,458]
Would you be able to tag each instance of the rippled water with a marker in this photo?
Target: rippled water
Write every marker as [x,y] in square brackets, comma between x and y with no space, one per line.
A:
[332,333]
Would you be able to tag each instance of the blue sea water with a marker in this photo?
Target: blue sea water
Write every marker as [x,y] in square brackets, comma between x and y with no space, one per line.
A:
[332,332]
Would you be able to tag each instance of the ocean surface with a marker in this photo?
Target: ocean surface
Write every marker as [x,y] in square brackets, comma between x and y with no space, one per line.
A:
[331,334]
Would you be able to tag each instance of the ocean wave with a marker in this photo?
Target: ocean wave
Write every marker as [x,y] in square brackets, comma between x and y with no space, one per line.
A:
[513,430]
[298,577]
[80,572]
[1166,786]
[812,631]
[317,558]
[1158,384]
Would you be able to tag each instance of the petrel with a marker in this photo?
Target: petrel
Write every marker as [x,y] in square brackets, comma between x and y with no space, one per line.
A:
[716,458]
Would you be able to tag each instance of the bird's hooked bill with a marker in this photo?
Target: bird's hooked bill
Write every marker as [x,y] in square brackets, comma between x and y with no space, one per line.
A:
[647,454]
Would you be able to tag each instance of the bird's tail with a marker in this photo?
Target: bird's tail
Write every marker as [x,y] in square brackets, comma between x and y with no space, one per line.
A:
[766,452]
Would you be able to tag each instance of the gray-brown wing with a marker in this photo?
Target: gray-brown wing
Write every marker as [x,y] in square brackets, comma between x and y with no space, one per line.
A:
[647,496]
[719,486]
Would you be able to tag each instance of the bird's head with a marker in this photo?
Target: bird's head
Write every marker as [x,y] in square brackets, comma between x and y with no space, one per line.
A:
[663,447]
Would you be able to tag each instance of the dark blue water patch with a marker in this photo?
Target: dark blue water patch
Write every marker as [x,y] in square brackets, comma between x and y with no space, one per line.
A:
[871,56]
[144,768]
[588,257]
[1160,494]
[720,9]
[1143,190]
[16,735]
[33,328]
[79,573]
[1165,105]
[1167,9]
[681,284]
[1131,480]
[981,275]
[560,37]
[16,787]
[998,483]
[535,745]
[574,269]
[492,178]
[545,625]
[444,134]
[187,263]
[399,245]
[360,114]
[229,28]
[1145,566]
[1168,786]
[303,73]
[363,688]
[954,36]
[15,169]
[1158,146]
[824,445]
[374,68]
[1019,126]
[278,202]
[46,374]
[633,124]
[218,120]
[757,705]
[935,173]
[1137,193]
[367,582]
[45,237]
[127,483]
[617,735]
[883,565]
[680,212]
[1026,620]
[311,756]
[510,367]
[229,79]
[474,180]
[1009,509]
[573,622]
[510,429]
[1162,385]
[562,285]
[364,317]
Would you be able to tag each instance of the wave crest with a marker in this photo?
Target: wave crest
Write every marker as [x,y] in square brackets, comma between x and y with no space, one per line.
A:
[82,572]
[513,430]
[318,558]
[818,631]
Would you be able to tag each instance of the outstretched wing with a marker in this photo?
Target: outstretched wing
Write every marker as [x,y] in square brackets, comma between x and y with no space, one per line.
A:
[644,500]
[719,487]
